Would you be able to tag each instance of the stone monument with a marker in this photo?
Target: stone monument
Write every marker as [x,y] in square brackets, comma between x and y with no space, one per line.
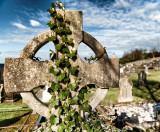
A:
[146,69]
[23,74]
[125,90]
[142,78]
[1,92]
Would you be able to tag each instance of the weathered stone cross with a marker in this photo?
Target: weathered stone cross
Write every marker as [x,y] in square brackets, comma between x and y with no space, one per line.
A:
[23,74]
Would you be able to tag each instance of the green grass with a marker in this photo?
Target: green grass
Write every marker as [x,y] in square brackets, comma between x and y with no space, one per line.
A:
[13,117]
[152,91]
[140,94]
[9,116]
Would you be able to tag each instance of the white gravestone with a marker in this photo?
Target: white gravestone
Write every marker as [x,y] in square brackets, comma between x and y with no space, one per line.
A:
[146,69]
[125,90]
[1,90]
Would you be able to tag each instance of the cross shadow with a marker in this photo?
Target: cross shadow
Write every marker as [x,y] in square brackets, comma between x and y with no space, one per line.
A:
[149,92]
[11,121]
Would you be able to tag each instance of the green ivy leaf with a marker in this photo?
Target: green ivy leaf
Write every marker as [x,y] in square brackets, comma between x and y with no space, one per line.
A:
[86,107]
[91,58]
[75,100]
[51,25]
[73,86]
[67,79]
[56,120]
[58,46]
[70,41]
[71,55]
[62,95]
[50,90]
[69,129]
[54,71]
[83,90]
[52,119]
[53,102]
[61,127]
[61,77]
[79,118]
[64,38]
[55,86]
[57,63]
[68,31]
[62,24]
[51,11]
[68,118]
[60,111]
[57,30]
[52,5]
[86,126]
[81,96]
[67,21]
[71,113]
[65,108]
[67,63]
[65,50]
[52,38]
[71,124]
[59,17]
[67,92]
[73,70]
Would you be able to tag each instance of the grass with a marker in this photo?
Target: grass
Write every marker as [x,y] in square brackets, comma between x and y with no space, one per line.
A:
[152,91]
[140,94]
[13,117]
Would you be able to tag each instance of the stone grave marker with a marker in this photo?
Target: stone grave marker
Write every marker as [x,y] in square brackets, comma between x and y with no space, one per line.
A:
[146,69]
[142,78]
[125,90]
[1,92]
[23,74]
[1,76]
[122,70]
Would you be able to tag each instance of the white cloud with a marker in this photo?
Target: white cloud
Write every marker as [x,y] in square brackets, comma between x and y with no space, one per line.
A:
[19,25]
[34,23]
[151,6]
[155,17]
[121,4]
[123,26]
[2,41]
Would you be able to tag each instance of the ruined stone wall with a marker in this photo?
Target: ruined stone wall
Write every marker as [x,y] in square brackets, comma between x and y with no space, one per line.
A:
[139,62]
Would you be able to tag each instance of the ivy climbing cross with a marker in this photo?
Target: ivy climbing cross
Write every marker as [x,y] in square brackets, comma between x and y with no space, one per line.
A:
[67,73]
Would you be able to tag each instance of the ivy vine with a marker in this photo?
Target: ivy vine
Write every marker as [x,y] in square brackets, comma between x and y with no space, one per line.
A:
[67,99]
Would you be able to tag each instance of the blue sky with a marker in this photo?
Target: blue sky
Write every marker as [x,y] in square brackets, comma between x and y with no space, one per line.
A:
[119,25]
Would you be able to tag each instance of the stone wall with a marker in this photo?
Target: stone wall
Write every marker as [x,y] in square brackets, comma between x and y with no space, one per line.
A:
[139,62]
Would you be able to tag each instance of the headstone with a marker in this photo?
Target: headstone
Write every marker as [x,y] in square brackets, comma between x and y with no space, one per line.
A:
[44,95]
[132,69]
[146,69]
[142,78]
[1,92]
[125,90]
[1,76]
[122,70]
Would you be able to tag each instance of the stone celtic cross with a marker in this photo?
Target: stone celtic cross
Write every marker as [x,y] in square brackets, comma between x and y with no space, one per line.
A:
[23,74]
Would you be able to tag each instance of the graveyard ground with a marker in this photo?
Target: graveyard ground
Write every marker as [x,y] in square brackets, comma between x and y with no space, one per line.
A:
[14,117]
[140,94]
